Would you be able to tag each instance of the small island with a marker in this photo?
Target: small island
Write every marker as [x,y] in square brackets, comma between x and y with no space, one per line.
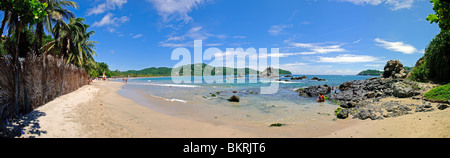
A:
[371,73]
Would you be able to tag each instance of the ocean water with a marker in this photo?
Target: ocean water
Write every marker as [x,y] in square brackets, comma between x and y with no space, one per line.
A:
[285,105]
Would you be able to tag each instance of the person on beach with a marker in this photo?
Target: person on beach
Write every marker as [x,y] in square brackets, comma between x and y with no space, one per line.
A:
[321,98]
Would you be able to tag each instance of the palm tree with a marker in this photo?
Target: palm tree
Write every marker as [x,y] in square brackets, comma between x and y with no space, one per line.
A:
[19,14]
[56,10]
[65,35]
[84,49]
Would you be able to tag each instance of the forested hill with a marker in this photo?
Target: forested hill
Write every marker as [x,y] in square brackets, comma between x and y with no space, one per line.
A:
[379,72]
[165,71]
[371,73]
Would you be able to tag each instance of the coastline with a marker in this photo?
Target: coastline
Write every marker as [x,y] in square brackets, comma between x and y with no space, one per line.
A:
[98,111]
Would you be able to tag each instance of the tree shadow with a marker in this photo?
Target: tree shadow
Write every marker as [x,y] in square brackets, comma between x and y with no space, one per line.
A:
[15,127]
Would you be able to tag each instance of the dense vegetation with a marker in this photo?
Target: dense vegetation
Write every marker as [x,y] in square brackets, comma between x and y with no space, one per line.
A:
[44,46]
[371,72]
[440,94]
[164,71]
[435,64]
[31,20]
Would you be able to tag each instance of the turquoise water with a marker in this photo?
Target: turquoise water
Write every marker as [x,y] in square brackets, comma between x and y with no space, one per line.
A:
[285,104]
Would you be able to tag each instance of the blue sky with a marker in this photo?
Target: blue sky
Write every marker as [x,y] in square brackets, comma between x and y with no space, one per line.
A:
[313,36]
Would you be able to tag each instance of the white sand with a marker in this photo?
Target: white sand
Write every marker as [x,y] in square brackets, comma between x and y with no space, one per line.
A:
[98,111]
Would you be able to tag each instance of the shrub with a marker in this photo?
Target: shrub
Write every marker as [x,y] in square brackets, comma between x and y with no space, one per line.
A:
[420,71]
[440,94]
[437,58]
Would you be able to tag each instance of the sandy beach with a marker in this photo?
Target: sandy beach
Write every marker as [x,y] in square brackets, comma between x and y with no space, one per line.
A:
[98,111]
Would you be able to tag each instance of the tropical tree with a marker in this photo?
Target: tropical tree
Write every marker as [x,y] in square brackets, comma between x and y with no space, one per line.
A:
[57,10]
[442,16]
[83,48]
[19,14]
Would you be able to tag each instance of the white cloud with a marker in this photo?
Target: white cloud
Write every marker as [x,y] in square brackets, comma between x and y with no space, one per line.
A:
[195,33]
[319,47]
[357,41]
[393,4]
[110,20]
[347,58]
[275,30]
[295,64]
[179,9]
[374,65]
[241,37]
[137,36]
[396,46]
[103,7]
[399,4]
[176,38]
[364,2]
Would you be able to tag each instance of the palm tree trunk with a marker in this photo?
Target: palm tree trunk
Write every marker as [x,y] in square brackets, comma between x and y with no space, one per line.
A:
[37,44]
[17,67]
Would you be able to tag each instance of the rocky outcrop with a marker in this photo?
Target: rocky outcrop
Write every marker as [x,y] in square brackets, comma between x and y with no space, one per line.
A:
[233,98]
[318,79]
[299,78]
[314,90]
[394,69]
[358,90]
[269,73]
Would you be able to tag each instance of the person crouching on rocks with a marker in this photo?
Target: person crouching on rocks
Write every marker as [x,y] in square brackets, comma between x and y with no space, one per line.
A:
[321,98]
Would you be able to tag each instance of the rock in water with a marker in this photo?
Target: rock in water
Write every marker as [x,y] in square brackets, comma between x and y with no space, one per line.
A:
[234,99]
[269,72]
[394,69]
[315,90]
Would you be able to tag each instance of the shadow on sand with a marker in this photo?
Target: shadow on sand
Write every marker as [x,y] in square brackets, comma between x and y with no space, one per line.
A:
[15,127]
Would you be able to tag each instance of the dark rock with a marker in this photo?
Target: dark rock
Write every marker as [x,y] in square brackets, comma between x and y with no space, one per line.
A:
[370,94]
[442,106]
[366,113]
[395,109]
[394,69]
[234,91]
[234,99]
[348,105]
[298,78]
[314,78]
[424,108]
[402,90]
[342,113]
[417,97]
[315,90]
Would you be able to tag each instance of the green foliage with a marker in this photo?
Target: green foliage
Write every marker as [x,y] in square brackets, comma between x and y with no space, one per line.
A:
[371,72]
[164,71]
[337,111]
[277,125]
[420,72]
[442,16]
[437,57]
[441,93]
